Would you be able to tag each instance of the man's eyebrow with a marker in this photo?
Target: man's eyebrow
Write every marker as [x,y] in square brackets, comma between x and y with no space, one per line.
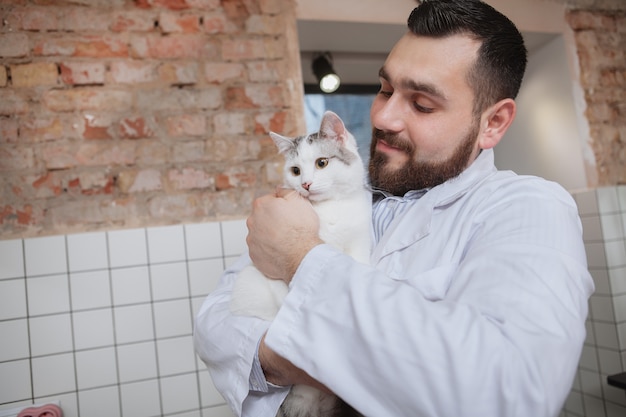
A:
[409,84]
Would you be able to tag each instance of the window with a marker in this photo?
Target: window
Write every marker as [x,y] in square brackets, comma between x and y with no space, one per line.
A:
[354,110]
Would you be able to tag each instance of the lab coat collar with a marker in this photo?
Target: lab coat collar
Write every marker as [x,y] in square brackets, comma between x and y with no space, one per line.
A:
[415,223]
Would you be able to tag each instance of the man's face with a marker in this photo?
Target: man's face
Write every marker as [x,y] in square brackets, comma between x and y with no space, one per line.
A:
[424,131]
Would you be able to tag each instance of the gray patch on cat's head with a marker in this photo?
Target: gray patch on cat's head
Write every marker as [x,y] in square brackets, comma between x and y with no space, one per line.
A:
[334,148]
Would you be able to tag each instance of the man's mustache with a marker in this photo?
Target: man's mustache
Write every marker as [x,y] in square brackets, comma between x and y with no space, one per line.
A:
[393,140]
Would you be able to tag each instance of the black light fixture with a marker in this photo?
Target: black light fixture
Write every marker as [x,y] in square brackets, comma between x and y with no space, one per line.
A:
[327,78]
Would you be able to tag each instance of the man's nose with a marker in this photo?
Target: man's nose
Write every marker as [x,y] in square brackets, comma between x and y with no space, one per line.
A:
[387,115]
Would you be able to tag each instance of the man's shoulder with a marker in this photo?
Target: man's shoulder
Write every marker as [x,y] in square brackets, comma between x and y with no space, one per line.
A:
[509,186]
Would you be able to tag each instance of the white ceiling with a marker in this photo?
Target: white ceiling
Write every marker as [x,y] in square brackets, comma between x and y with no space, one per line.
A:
[359,49]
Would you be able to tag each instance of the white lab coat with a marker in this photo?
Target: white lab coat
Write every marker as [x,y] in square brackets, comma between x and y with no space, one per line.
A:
[474,305]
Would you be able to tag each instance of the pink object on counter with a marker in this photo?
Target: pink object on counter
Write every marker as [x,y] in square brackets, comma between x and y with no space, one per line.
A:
[48,410]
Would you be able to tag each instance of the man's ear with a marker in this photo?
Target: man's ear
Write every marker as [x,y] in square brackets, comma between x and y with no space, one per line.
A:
[495,121]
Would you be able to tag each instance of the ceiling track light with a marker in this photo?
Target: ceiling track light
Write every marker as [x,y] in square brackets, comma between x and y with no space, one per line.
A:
[322,66]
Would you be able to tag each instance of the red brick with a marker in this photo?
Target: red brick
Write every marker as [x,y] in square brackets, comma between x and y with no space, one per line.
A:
[12,103]
[87,99]
[47,185]
[58,155]
[239,10]
[180,99]
[81,213]
[236,98]
[104,47]
[97,127]
[179,73]
[85,46]
[96,183]
[82,19]
[35,74]
[189,179]
[265,25]
[106,153]
[173,46]
[153,152]
[234,150]
[265,95]
[186,125]
[270,122]
[135,128]
[168,4]
[37,18]
[236,178]
[204,4]
[215,23]
[16,158]
[218,72]
[133,72]
[263,71]
[253,96]
[82,73]
[14,45]
[222,182]
[587,19]
[25,215]
[189,151]
[230,124]
[271,6]
[3,76]
[8,130]
[181,206]
[133,21]
[175,23]
[137,181]
[243,49]
[40,129]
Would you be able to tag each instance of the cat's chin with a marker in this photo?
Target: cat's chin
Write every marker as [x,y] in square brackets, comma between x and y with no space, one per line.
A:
[316,197]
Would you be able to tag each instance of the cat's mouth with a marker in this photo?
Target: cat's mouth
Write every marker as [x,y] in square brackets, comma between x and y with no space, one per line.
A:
[312,195]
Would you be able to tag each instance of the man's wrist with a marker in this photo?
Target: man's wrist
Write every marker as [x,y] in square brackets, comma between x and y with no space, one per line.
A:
[297,258]
[268,359]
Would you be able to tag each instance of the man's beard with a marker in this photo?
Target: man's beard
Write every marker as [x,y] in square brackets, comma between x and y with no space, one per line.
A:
[416,175]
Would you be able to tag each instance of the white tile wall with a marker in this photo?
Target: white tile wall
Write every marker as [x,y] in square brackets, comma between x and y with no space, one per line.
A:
[103,321]
[603,215]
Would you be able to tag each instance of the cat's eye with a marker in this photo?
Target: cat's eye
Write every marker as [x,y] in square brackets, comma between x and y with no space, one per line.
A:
[321,163]
[295,171]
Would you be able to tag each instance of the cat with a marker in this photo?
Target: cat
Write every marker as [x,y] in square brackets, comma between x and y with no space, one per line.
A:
[324,167]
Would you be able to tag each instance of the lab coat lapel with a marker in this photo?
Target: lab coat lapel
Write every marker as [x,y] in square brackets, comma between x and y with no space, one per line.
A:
[415,223]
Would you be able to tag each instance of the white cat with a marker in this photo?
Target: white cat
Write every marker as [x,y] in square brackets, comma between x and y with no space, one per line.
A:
[324,167]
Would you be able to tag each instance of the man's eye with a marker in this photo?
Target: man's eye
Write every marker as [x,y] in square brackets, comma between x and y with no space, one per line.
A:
[321,163]
[384,93]
[422,109]
[295,171]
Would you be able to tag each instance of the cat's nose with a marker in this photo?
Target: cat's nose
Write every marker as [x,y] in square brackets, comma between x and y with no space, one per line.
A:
[306,185]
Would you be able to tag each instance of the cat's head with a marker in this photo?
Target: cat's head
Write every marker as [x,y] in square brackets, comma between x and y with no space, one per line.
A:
[323,165]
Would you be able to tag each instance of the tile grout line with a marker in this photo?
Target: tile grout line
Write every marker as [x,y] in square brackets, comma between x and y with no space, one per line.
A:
[154,324]
[30,342]
[113,323]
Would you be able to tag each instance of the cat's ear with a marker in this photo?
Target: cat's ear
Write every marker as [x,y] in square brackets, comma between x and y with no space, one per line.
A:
[283,143]
[332,127]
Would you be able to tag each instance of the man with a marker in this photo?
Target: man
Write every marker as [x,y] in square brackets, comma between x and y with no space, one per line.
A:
[475,300]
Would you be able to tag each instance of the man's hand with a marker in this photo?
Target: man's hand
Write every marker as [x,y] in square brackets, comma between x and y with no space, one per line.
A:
[282,229]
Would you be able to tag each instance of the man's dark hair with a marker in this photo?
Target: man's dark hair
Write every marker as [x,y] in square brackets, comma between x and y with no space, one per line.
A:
[499,68]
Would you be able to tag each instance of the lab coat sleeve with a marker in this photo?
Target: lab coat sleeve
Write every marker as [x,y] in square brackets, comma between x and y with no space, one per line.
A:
[227,344]
[505,339]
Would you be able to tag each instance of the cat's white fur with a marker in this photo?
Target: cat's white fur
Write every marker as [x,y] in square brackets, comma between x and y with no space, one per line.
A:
[341,198]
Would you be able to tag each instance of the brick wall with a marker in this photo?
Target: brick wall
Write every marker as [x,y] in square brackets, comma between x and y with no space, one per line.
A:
[122,113]
[600,34]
